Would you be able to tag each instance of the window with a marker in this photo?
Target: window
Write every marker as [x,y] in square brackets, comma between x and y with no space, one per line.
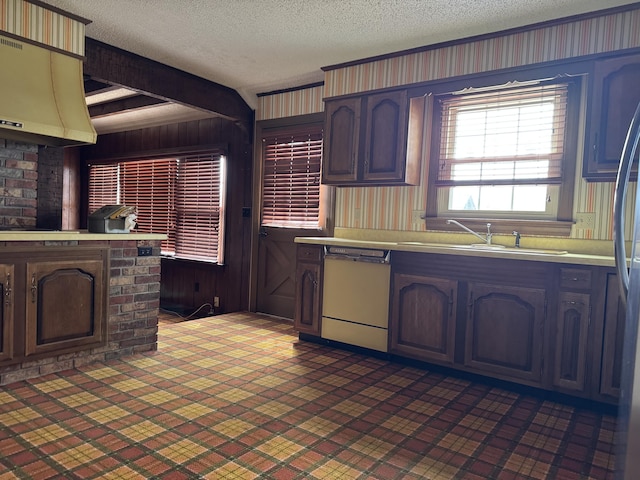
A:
[180,197]
[504,152]
[291,178]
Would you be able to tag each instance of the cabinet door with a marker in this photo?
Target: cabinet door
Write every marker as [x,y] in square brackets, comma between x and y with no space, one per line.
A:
[308,297]
[341,141]
[7,279]
[571,336]
[614,324]
[385,137]
[423,317]
[614,96]
[64,305]
[504,331]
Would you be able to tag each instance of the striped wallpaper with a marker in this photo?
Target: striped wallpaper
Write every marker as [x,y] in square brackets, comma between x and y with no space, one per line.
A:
[391,208]
[38,24]
[290,104]
[595,35]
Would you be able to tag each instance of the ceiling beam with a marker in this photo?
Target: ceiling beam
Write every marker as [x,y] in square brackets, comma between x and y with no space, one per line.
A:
[112,65]
[123,104]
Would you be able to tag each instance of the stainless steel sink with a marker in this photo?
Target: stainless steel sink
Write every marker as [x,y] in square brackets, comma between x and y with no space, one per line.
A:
[424,244]
[502,248]
[490,248]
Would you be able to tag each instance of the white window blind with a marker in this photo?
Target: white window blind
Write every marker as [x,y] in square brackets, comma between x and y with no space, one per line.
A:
[291,178]
[182,198]
[511,136]
[150,186]
[103,186]
[199,207]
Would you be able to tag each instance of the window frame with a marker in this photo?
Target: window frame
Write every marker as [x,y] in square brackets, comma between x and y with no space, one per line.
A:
[172,204]
[266,128]
[308,130]
[561,226]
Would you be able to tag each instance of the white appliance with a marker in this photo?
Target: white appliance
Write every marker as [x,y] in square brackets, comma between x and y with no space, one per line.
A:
[628,433]
[355,298]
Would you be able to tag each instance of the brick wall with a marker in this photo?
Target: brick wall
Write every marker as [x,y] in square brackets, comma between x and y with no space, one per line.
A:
[18,184]
[50,187]
[132,310]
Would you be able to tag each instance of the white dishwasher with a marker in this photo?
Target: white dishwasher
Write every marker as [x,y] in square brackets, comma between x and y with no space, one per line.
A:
[355,298]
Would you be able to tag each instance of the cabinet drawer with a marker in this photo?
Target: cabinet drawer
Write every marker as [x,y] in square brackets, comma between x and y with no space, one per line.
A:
[310,253]
[575,278]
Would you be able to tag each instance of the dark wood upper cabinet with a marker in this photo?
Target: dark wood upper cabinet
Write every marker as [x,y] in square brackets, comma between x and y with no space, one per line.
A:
[341,141]
[613,98]
[368,140]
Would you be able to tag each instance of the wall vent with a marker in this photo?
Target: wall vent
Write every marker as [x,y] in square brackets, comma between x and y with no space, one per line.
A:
[10,43]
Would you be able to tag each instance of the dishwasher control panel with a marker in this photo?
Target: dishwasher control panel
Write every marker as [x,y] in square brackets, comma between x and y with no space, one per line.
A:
[357,254]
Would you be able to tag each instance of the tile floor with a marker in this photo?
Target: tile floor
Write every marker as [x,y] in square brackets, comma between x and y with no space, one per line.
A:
[238,396]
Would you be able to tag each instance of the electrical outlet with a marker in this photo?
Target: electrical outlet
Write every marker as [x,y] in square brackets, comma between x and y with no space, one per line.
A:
[417,216]
[145,251]
[216,302]
[585,220]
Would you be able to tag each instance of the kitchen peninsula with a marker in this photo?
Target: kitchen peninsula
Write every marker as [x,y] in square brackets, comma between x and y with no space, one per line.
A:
[73,297]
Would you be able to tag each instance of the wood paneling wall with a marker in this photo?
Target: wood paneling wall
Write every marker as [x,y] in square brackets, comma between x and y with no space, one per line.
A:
[230,282]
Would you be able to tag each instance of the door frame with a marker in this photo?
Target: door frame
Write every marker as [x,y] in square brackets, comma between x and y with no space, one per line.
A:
[328,199]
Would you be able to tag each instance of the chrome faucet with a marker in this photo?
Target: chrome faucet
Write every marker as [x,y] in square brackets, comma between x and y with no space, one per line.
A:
[486,240]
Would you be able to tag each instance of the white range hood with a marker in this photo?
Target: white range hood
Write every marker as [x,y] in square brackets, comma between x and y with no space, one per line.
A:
[42,96]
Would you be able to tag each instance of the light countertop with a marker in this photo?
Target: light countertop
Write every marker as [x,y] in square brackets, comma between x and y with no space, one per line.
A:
[530,254]
[70,235]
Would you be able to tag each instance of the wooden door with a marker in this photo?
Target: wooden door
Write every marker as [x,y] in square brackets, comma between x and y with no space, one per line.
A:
[504,331]
[7,282]
[423,317]
[276,291]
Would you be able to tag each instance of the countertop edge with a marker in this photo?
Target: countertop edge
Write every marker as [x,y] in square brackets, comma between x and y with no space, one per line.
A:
[570,258]
[71,235]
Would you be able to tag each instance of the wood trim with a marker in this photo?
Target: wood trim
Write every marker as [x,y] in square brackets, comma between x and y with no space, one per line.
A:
[486,36]
[60,11]
[118,67]
[18,38]
[291,89]
[297,120]
[221,149]
[559,227]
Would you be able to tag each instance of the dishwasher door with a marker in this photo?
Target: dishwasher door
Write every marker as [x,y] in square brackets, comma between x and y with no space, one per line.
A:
[355,302]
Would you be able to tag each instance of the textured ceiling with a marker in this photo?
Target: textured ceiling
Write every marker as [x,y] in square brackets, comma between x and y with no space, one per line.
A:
[257,46]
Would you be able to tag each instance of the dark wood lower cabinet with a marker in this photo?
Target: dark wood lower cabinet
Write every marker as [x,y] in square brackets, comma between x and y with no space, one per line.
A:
[64,304]
[570,341]
[424,317]
[308,310]
[546,325]
[504,331]
[54,301]
[7,279]
[612,339]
